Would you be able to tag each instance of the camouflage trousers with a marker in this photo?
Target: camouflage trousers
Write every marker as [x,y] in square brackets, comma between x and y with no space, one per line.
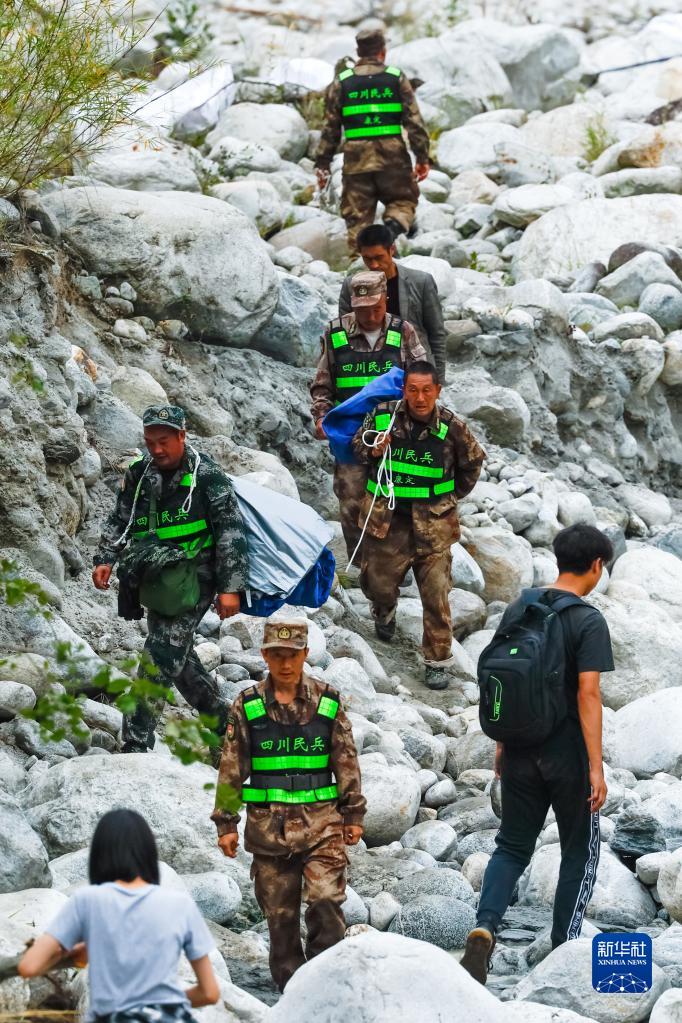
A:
[385,564]
[298,855]
[350,487]
[394,186]
[170,645]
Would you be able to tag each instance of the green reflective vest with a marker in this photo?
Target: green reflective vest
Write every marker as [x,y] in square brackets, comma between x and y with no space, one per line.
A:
[172,525]
[417,465]
[370,104]
[290,763]
[353,369]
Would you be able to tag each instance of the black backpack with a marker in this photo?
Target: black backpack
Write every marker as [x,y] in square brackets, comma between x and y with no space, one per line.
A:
[522,672]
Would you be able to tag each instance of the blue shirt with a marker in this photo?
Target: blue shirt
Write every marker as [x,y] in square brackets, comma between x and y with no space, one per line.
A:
[134,937]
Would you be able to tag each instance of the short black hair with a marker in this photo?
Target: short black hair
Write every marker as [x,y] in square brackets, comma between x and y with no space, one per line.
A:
[578,546]
[376,234]
[421,368]
[123,848]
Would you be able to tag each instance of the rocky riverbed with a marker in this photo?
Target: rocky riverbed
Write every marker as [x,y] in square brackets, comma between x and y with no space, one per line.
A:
[201,270]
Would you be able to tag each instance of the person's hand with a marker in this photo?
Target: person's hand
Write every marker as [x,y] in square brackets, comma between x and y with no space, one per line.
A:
[227,604]
[378,451]
[319,430]
[78,955]
[598,789]
[421,170]
[322,178]
[499,752]
[101,574]
[352,833]
[228,844]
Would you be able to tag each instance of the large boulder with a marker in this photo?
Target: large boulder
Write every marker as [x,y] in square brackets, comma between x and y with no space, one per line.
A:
[657,572]
[618,897]
[589,230]
[189,257]
[564,980]
[258,200]
[162,167]
[640,744]
[521,206]
[377,977]
[501,411]
[293,333]
[505,560]
[393,795]
[272,124]
[438,919]
[64,804]
[457,79]
[654,825]
[472,147]
[23,857]
[669,885]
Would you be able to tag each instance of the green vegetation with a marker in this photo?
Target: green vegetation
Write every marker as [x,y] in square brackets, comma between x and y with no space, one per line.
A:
[187,33]
[597,138]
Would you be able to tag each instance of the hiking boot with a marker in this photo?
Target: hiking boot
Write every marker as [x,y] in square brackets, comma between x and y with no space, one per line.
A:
[478,953]
[133,747]
[385,630]
[394,226]
[435,677]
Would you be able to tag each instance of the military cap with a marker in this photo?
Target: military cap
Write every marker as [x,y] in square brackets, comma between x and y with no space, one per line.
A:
[290,632]
[370,41]
[165,415]
[367,287]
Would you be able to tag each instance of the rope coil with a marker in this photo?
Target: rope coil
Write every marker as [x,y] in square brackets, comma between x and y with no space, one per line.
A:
[384,473]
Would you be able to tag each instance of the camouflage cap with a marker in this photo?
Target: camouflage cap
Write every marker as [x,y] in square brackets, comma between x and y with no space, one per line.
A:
[370,41]
[367,287]
[290,632]
[165,415]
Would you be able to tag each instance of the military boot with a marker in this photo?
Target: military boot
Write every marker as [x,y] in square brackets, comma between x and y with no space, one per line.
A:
[478,953]
[436,677]
[385,630]
[394,226]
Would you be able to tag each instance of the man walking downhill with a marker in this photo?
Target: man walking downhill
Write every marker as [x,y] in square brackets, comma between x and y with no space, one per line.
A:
[356,349]
[372,103]
[289,736]
[565,771]
[179,516]
[411,294]
[434,460]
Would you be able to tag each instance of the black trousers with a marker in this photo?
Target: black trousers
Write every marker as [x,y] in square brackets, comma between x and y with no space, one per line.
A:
[557,775]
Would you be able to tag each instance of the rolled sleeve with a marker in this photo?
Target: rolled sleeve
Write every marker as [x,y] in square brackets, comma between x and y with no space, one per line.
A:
[67,927]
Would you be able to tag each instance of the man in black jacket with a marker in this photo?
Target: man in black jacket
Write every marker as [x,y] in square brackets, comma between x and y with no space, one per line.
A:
[412,294]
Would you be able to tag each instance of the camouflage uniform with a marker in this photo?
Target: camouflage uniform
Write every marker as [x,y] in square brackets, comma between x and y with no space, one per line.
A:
[419,533]
[350,480]
[295,845]
[376,169]
[222,568]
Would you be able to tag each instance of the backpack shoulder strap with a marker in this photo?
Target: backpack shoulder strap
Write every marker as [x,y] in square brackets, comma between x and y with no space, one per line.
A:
[567,600]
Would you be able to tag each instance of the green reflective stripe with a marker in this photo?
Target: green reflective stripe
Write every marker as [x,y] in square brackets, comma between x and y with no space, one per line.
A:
[328,708]
[186,480]
[254,708]
[393,337]
[371,108]
[414,492]
[170,532]
[286,763]
[382,421]
[346,74]
[441,432]
[444,488]
[392,71]
[339,338]
[365,133]
[194,546]
[354,381]
[254,795]
[135,460]
[416,470]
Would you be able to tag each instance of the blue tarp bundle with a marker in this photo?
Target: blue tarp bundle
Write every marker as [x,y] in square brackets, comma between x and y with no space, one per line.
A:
[342,423]
[289,562]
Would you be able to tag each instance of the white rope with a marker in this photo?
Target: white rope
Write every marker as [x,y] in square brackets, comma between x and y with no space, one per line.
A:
[384,472]
[186,504]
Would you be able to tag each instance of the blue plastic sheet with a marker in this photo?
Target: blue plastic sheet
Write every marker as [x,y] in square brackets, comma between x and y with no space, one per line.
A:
[342,423]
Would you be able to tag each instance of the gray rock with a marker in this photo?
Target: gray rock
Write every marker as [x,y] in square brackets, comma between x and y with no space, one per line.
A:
[667,953]
[440,920]
[663,303]
[502,412]
[293,333]
[469,815]
[354,909]
[668,1008]
[669,885]
[466,574]
[393,796]
[652,825]
[271,124]
[640,181]
[15,697]
[521,512]
[654,508]
[640,744]
[216,894]
[435,881]
[23,857]
[352,681]
[434,837]
[505,560]
[27,736]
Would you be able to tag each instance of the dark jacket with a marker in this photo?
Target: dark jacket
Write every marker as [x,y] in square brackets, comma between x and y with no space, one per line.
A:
[420,305]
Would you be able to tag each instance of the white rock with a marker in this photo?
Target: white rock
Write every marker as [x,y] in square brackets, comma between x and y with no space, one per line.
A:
[648,867]
[576,507]
[520,206]
[625,285]
[587,231]
[136,387]
[501,411]
[533,1012]
[504,559]
[434,837]
[209,655]
[653,508]
[354,909]
[672,369]
[564,131]
[626,326]
[472,147]
[382,908]
[33,907]
[669,885]
[521,512]
[160,167]
[474,867]
[352,682]
[130,329]
[564,980]
[393,796]
[171,248]
[466,575]
[216,894]
[23,857]
[270,124]
[15,697]
[641,745]
[393,978]
[258,200]
[344,643]
[668,1008]
[235,157]
[640,181]
[657,572]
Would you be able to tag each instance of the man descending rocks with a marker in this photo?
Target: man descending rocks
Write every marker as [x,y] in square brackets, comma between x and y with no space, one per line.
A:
[179,515]
[372,103]
[411,293]
[356,349]
[433,460]
[289,737]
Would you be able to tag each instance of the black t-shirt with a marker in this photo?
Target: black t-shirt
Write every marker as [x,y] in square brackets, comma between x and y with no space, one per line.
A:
[393,297]
[588,644]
